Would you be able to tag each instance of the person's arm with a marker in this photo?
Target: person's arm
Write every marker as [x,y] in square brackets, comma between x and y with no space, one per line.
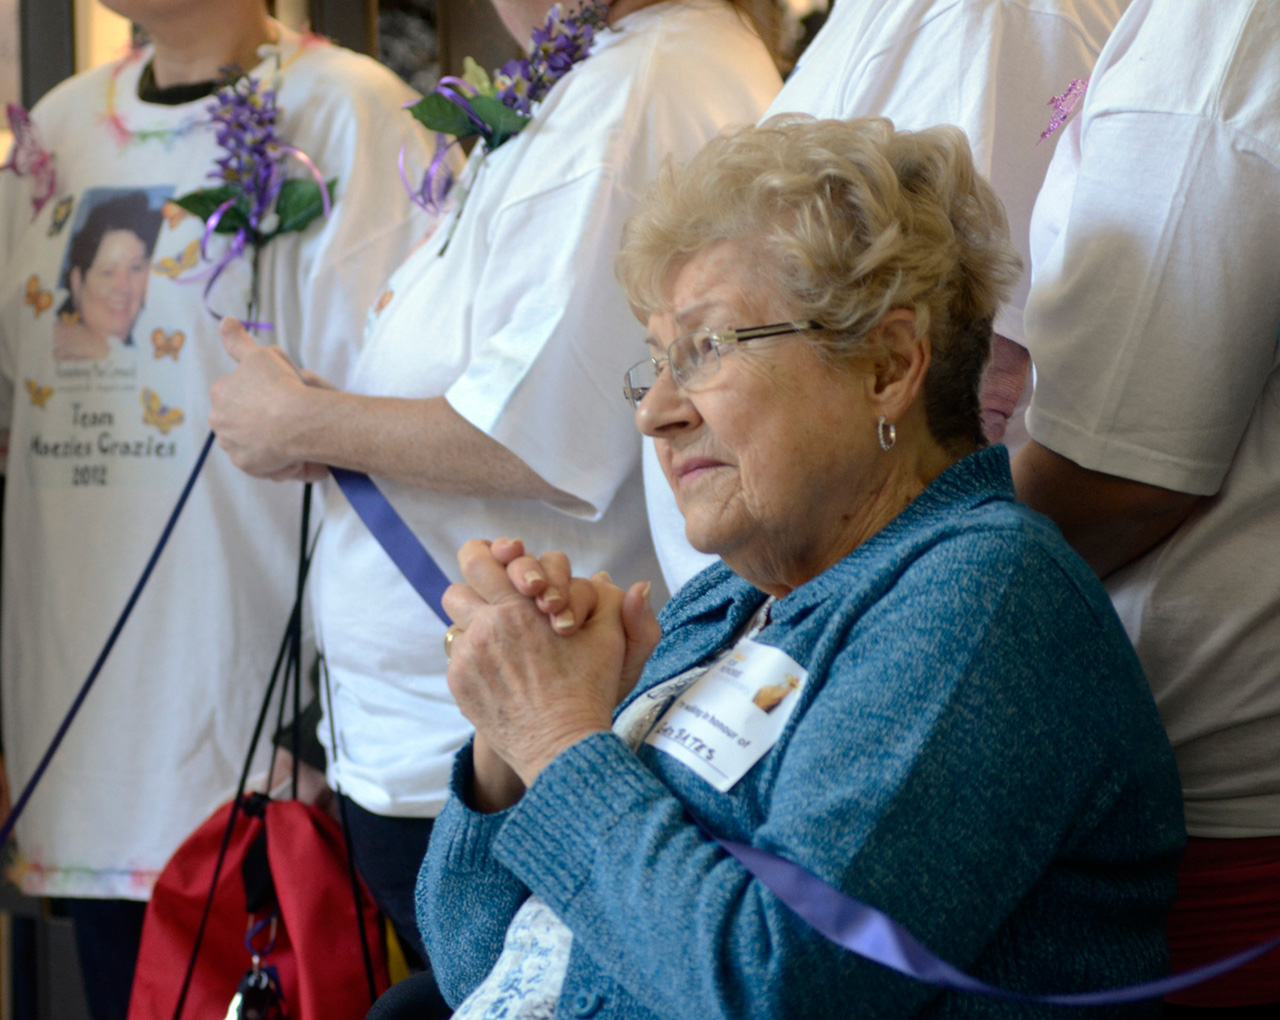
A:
[533,412]
[269,420]
[1153,330]
[1002,385]
[1108,520]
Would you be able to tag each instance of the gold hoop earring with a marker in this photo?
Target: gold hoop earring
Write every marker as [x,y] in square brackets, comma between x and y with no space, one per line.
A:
[887,433]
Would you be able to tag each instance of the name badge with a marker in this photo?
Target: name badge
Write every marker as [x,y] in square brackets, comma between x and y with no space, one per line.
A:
[726,721]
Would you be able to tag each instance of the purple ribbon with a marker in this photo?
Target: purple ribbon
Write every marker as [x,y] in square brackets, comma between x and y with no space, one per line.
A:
[434,188]
[462,102]
[235,249]
[395,537]
[306,161]
[429,195]
[874,935]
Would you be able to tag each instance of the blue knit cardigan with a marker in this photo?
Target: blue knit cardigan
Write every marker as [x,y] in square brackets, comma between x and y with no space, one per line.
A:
[975,752]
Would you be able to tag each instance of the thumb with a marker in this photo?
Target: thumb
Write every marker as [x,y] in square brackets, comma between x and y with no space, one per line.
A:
[609,597]
[643,632]
[236,339]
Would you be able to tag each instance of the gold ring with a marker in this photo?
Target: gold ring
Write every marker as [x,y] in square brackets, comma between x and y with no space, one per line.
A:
[453,631]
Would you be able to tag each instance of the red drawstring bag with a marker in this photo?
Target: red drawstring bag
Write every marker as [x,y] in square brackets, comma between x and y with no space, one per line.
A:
[314,944]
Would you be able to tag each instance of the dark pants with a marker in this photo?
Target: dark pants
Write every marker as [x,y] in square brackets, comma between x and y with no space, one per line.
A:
[388,853]
[108,933]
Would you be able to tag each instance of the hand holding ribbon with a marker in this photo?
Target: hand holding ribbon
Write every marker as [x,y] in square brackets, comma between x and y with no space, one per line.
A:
[255,409]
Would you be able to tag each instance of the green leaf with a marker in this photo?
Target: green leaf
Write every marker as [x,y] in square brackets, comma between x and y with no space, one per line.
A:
[299,202]
[204,203]
[504,121]
[439,114]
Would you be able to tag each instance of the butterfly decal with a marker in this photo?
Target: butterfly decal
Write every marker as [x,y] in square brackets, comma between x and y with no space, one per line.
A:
[39,394]
[173,213]
[167,343]
[157,414]
[38,299]
[30,158]
[383,301]
[175,267]
[61,213]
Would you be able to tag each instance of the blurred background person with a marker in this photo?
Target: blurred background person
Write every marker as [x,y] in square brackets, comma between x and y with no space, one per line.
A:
[101,453]
[484,399]
[1153,322]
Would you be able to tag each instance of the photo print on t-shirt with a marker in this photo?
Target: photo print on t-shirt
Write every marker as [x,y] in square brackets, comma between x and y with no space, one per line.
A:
[105,272]
[108,388]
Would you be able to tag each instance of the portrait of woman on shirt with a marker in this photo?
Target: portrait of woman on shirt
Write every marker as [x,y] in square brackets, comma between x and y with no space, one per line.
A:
[897,677]
[108,267]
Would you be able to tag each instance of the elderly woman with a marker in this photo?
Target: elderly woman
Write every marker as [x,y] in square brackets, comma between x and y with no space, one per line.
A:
[898,677]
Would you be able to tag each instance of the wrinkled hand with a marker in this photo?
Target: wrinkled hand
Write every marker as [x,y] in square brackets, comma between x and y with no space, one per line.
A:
[547,578]
[530,692]
[254,409]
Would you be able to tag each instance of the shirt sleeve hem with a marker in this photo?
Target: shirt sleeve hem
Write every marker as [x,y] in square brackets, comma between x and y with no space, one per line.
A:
[481,410]
[1113,456]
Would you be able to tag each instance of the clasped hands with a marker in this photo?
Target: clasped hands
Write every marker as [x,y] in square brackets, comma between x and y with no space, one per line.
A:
[254,409]
[539,659]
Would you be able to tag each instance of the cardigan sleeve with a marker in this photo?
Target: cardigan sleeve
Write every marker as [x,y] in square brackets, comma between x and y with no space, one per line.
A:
[465,898]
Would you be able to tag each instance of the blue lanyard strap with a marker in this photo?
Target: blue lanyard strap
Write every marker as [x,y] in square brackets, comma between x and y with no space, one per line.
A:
[395,537]
[6,830]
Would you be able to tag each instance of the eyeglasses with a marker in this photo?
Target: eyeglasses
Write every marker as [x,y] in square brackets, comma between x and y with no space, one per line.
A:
[696,356]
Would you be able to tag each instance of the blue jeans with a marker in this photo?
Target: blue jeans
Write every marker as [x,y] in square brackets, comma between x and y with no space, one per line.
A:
[108,933]
[388,853]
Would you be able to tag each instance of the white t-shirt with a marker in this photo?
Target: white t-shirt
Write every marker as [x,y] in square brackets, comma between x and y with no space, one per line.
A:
[512,313]
[96,464]
[988,66]
[1154,325]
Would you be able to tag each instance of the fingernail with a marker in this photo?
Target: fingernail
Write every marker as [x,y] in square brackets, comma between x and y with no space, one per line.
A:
[533,577]
[603,575]
[551,594]
[644,593]
[563,619]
